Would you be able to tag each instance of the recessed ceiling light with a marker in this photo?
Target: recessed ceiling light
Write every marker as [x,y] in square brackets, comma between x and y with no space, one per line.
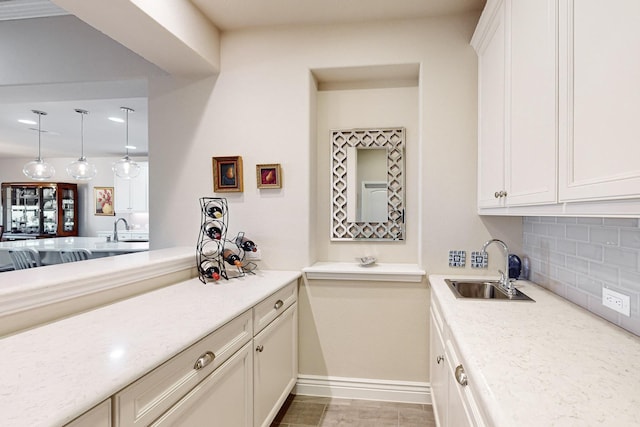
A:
[116,119]
[130,147]
[27,122]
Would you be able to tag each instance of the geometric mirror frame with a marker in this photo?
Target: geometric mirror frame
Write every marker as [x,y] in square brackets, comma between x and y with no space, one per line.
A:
[391,139]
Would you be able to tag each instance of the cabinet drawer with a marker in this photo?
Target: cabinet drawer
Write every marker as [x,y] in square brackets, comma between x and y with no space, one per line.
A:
[272,306]
[149,397]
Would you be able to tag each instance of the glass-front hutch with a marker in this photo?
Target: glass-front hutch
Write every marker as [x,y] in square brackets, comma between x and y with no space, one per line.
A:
[39,210]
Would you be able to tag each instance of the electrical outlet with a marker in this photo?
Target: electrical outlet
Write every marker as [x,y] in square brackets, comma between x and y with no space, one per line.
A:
[253,256]
[616,301]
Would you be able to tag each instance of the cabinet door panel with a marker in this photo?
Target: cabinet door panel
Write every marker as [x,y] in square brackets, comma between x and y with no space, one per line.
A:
[100,416]
[532,115]
[221,399]
[491,105]
[438,369]
[600,101]
[275,365]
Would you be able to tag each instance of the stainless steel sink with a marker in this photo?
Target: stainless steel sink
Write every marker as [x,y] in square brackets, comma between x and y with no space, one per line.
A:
[483,289]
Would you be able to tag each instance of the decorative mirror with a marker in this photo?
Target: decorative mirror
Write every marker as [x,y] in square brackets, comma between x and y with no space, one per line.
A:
[367,184]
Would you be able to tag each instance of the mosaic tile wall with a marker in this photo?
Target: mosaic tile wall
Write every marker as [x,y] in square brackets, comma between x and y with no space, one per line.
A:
[576,257]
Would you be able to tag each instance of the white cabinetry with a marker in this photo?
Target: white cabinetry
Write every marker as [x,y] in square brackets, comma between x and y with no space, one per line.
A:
[99,416]
[239,375]
[438,368]
[223,398]
[453,400]
[516,46]
[600,99]
[559,99]
[131,195]
[187,379]
[275,360]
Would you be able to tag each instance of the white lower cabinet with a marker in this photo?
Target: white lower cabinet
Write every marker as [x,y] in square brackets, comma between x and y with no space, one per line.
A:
[221,399]
[239,375]
[99,416]
[438,369]
[275,369]
[453,400]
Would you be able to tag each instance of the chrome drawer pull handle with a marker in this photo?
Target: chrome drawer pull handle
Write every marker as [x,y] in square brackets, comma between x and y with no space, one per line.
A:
[461,376]
[439,359]
[259,348]
[204,360]
[278,304]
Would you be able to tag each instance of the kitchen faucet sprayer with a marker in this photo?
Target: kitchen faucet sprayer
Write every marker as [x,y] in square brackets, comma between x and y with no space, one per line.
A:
[505,283]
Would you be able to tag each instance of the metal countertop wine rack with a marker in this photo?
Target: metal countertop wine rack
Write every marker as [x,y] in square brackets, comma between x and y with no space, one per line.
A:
[213,243]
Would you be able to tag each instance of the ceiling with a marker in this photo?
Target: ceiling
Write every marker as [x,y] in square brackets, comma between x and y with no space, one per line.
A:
[104,138]
[234,15]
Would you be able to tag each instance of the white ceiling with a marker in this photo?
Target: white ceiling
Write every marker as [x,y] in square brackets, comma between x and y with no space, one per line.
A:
[240,14]
[104,138]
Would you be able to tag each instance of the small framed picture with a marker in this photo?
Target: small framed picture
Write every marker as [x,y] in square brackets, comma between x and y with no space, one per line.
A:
[269,176]
[103,201]
[227,174]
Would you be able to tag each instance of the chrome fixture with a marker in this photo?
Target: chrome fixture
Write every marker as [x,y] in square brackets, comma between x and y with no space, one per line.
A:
[125,167]
[115,228]
[81,169]
[38,169]
[505,283]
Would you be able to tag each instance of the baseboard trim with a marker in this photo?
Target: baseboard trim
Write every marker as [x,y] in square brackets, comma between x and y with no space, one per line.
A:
[364,388]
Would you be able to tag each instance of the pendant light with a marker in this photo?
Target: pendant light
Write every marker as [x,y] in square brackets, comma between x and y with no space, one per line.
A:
[38,169]
[125,167]
[81,169]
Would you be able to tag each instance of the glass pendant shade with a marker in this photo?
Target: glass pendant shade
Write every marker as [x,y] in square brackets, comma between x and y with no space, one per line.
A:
[38,169]
[125,167]
[81,169]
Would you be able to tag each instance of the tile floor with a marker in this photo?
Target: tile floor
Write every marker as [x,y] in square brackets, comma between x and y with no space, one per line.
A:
[310,411]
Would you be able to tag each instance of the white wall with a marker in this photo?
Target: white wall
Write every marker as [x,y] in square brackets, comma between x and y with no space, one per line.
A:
[260,107]
[368,108]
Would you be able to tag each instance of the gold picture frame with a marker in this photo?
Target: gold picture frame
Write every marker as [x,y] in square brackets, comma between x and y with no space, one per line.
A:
[227,174]
[104,201]
[269,176]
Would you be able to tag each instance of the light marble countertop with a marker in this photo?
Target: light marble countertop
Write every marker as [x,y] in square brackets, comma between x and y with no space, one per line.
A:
[548,363]
[51,374]
[94,244]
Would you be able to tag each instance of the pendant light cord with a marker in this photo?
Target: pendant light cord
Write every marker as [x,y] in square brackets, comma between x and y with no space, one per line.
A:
[39,135]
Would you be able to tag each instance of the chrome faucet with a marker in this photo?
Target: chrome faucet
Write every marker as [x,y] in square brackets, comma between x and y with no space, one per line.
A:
[505,283]
[115,228]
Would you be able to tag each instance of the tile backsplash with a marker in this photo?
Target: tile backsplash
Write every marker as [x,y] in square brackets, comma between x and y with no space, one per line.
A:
[576,257]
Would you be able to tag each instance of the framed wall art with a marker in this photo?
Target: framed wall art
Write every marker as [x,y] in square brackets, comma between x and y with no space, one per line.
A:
[227,174]
[269,176]
[103,201]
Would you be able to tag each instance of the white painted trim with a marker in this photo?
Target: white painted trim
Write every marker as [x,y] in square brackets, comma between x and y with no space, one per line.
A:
[353,271]
[23,290]
[364,388]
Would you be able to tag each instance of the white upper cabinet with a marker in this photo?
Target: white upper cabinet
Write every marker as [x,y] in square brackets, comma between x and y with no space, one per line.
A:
[599,99]
[516,45]
[531,120]
[489,42]
[559,107]
[131,195]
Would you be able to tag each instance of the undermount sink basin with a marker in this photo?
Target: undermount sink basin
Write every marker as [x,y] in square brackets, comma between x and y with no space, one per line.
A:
[483,289]
[132,241]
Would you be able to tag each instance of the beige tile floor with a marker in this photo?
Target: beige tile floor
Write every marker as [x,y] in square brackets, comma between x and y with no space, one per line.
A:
[310,411]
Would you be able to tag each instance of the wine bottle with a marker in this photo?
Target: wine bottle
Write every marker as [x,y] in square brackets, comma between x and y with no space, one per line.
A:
[231,257]
[213,232]
[210,271]
[246,244]
[214,211]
